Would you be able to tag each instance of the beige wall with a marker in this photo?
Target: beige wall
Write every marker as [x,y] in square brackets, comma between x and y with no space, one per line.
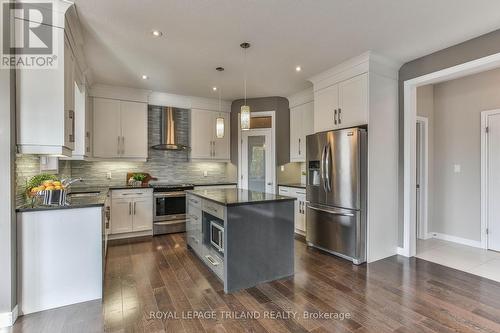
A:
[457,140]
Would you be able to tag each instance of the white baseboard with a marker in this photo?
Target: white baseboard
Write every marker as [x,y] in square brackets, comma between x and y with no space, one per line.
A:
[8,319]
[455,239]
[401,251]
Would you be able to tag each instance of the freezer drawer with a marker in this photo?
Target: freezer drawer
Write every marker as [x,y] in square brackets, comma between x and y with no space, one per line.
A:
[339,231]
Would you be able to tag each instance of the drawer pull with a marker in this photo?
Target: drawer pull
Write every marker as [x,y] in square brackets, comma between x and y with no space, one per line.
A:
[212,260]
[194,201]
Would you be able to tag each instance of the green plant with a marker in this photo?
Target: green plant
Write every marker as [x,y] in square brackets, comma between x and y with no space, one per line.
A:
[139,177]
[38,180]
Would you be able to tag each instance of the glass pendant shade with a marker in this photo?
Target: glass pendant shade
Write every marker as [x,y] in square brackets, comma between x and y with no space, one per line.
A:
[245,117]
[219,127]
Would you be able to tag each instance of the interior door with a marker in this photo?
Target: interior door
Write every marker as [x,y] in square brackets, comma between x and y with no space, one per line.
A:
[257,161]
[493,189]
[107,127]
[134,121]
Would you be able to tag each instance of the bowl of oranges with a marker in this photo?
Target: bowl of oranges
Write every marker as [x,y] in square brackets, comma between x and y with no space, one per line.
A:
[47,188]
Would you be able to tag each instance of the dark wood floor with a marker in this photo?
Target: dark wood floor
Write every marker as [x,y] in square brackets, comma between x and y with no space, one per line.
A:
[392,295]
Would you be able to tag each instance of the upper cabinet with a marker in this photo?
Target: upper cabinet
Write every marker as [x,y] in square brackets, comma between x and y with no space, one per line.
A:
[120,129]
[301,123]
[341,105]
[205,145]
[45,98]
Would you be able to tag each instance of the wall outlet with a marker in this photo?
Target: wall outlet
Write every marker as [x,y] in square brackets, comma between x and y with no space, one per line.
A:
[282,168]
[457,168]
[108,175]
[205,173]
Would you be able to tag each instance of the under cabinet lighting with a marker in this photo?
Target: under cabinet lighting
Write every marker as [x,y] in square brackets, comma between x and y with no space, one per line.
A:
[156,33]
[145,77]
[298,69]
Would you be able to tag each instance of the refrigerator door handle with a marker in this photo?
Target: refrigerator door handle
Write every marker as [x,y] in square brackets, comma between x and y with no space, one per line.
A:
[322,168]
[327,168]
[330,211]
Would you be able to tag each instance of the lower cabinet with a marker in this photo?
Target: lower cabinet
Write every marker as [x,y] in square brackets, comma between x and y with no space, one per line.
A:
[131,211]
[198,237]
[300,206]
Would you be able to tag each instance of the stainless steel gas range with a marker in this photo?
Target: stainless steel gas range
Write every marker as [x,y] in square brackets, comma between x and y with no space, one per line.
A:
[169,209]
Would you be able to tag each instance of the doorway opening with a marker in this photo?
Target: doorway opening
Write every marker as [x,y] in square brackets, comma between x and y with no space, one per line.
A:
[257,155]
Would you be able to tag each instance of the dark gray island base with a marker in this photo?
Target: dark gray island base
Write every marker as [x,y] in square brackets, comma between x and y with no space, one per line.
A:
[244,237]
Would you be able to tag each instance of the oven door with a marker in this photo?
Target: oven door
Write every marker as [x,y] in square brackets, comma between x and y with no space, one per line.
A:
[169,206]
[217,236]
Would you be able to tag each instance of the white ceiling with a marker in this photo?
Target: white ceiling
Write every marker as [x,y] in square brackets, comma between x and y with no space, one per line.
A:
[200,35]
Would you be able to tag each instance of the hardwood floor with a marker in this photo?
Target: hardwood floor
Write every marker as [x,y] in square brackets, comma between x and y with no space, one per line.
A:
[160,276]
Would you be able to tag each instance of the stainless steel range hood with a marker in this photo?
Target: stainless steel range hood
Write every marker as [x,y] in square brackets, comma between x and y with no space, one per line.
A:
[168,132]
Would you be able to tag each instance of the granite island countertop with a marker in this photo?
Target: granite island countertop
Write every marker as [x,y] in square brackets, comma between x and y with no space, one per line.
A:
[77,202]
[238,197]
[296,185]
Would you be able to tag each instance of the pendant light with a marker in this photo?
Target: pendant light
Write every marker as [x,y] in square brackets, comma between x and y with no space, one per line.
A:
[245,109]
[219,122]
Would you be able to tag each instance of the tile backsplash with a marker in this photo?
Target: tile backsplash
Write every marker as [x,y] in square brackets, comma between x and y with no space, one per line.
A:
[167,166]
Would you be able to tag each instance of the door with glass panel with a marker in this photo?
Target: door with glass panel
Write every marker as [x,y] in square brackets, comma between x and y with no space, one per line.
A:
[257,160]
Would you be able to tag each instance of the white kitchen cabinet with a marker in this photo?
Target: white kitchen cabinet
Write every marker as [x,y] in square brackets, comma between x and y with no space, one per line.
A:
[203,140]
[142,214]
[353,102]
[134,127]
[107,128]
[120,129]
[201,134]
[301,125]
[45,104]
[82,129]
[299,206]
[131,212]
[325,102]
[221,145]
[121,210]
[341,105]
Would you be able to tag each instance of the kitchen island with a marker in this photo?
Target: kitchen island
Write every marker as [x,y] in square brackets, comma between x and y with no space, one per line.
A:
[244,237]
[60,252]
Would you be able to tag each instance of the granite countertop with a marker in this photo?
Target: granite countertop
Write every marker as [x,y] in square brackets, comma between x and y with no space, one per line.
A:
[78,202]
[296,185]
[217,184]
[236,197]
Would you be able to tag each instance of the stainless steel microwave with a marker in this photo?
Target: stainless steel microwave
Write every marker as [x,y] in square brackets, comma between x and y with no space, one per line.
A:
[217,235]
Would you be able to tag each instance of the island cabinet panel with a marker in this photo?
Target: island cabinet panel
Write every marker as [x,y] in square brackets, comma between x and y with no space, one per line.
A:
[244,237]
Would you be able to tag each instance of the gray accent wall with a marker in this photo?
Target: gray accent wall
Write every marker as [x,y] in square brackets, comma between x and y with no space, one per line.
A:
[278,104]
[475,48]
[8,277]
[456,115]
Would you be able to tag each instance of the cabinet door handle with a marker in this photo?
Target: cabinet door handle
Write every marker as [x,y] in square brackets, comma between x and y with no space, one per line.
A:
[129,208]
[118,146]
[123,145]
[340,116]
[134,207]
[299,148]
[335,116]
[72,117]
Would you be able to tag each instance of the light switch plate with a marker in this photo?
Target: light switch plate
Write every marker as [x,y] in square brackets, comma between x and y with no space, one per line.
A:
[108,175]
[457,168]
[205,173]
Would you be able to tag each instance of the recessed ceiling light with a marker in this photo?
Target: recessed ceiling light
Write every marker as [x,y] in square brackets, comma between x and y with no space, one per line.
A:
[298,69]
[145,77]
[214,88]
[156,33]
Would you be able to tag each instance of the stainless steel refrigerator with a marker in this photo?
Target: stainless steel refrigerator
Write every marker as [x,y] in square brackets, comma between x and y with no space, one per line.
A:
[336,192]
